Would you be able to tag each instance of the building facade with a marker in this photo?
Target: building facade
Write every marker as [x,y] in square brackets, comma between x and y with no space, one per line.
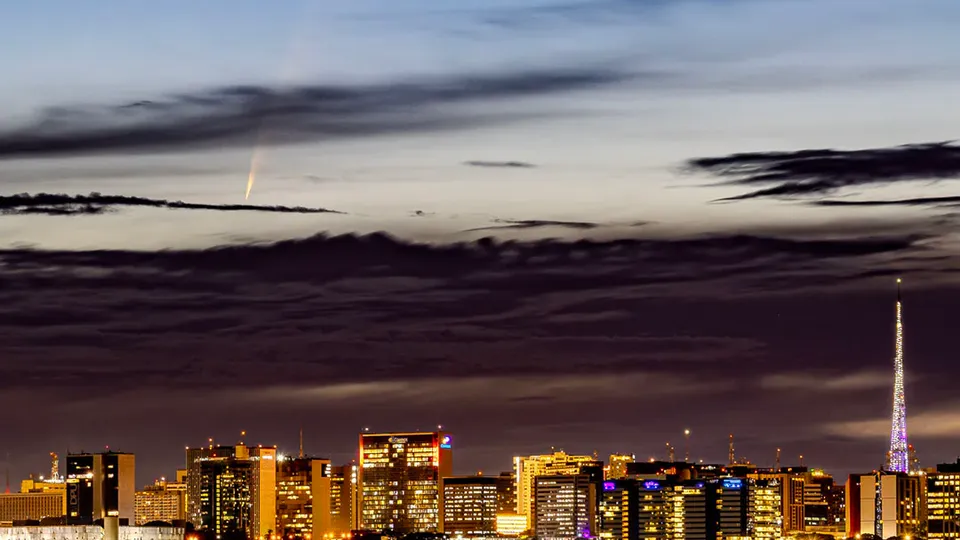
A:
[685,511]
[30,506]
[163,501]
[617,466]
[399,480]
[765,511]
[304,497]
[527,469]
[470,506]
[565,506]
[892,504]
[233,489]
[344,499]
[100,485]
[618,517]
[507,493]
[943,501]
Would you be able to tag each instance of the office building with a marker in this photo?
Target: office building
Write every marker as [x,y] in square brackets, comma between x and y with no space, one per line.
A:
[399,480]
[195,458]
[507,493]
[792,482]
[685,511]
[235,489]
[163,501]
[727,508]
[617,517]
[852,506]
[470,506]
[344,499]
[617,466]
[304,497]
[943,501]
[892,504]
[511,525]
[100,485]
[765,510]
[565,506]
[30,506]
[651,513]
[528,468]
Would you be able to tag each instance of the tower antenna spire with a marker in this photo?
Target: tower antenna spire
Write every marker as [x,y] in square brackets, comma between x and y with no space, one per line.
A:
[301,442]
[899,460]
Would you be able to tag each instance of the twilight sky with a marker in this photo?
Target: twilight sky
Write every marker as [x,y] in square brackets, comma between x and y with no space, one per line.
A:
[583,224]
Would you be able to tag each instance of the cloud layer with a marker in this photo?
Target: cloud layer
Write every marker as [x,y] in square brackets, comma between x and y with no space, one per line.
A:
[811,173]
[372,329]
[95,203]
[245,114]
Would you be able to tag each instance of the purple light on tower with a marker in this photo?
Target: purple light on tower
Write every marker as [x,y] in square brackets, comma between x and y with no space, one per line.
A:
[899,460]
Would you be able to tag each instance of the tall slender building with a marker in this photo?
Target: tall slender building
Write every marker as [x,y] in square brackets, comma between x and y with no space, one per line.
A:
[899,460]
[400,480]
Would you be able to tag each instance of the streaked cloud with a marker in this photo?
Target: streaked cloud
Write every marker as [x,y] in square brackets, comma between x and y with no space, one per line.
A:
[95,203]
[827,381]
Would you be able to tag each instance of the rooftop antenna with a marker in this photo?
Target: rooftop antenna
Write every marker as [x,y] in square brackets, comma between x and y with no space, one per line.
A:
[686,444]
[670,453]
[778,460]
[7,490]
[54,467]
[732,458]
[801,460]
[301,442]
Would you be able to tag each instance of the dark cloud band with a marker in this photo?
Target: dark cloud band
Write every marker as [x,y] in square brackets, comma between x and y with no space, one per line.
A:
[242,115]
[808,173]
[95,203]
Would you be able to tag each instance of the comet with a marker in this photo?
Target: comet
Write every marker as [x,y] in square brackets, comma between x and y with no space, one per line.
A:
[254,166]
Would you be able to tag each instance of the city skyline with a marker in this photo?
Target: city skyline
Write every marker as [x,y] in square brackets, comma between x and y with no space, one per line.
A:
[589,224]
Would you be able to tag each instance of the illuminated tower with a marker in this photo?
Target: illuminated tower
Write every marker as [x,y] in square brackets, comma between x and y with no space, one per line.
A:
[899,453]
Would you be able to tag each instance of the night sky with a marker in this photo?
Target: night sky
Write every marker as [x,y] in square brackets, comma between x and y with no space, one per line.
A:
[540,223]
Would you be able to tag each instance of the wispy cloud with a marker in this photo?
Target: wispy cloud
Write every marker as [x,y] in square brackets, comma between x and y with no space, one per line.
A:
[826,381]
[943,423]
[948,201]
[536,224]
[808,173]
[501,164]
[237,115]
[95,203]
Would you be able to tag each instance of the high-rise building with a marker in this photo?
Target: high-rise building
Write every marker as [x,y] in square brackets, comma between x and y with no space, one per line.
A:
[943,501]
[99,486]
[727,508]
[892,504]
[399,480]
[507,493]
[528,468]
[651,513]
[852,506]
[685,511]
[470,506]
[565,506]
[765,513]
[792,482]
[304,497]
[163,501]
[899,455]
[195,459]
[233,489]
[618,517]
[617,466]
[344,499]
